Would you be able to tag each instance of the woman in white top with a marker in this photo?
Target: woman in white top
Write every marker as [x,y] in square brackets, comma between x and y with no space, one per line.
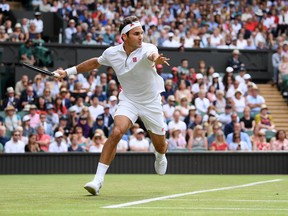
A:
[96,146]
[239,102]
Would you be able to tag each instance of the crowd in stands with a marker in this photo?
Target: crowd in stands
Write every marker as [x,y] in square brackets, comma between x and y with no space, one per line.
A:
[203,110]
[222,24]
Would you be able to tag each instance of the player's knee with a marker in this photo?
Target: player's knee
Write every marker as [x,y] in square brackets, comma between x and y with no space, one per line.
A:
[161,148]
[117,133]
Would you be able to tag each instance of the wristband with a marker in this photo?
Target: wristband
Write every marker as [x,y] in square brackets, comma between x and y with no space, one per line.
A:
[71,71]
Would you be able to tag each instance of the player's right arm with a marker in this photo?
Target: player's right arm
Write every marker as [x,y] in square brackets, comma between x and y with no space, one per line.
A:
[85,66]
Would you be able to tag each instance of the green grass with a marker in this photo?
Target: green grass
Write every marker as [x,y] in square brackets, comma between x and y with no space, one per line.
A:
[64,195]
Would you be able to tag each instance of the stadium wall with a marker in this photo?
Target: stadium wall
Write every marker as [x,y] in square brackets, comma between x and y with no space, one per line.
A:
[143,163]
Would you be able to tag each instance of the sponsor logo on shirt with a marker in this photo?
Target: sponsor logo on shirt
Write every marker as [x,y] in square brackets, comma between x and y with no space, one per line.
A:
[134,59]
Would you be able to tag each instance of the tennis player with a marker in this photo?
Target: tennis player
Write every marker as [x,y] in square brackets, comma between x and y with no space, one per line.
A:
[134,64]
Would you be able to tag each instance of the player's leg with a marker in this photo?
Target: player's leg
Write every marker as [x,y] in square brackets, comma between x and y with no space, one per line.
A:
[160,145]
[121,125]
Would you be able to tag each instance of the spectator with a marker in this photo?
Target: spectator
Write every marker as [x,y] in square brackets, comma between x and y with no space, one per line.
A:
[99,124]
[48,129]
[283,67]
[176,141]
[190,118]
[59,109]
[280,142]
[171,42]
[69,31]
[51,117]
[276,59]
[42,139]
[28,96]
[44,6]
[168,109]
[38,85]
[64,97]
[247,122]
[15,145]
[261,144]
[25,53]
[264,120]
[202,103]
[10,100]
[182,92]
[196,86]
[81,140]
[238,144]
[3,138]
[83,123]
[255,101]
[176,122]
[74,147]
[34,116]
[89,40]
[27,129]
[58,145]
[184,67]
[229,128]
[139,144]
[199,141]
[220,102]
[12,120]
[4,37]
[238,101]
[32,145]
[243,137]
[122,146]
[219,144]
[215,128]
[234,61]
[168,91]
[108,36]
[97,145]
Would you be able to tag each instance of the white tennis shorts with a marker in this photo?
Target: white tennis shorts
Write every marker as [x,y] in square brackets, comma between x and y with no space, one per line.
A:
[151,114]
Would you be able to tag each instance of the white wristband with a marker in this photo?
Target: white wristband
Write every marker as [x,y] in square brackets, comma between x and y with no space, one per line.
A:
[71,71]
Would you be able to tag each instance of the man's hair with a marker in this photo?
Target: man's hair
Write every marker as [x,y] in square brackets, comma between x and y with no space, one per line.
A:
[126,21]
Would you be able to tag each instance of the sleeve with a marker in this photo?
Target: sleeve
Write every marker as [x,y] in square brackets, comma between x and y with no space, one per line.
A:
[103,59]
[151,48]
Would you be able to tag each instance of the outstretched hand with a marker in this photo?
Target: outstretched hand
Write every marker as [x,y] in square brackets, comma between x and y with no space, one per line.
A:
[161,59]
[60,74]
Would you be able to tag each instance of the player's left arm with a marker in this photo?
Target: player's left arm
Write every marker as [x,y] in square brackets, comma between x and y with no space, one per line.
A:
[157,58]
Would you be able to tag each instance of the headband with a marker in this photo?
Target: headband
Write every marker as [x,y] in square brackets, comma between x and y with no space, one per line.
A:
[130,26]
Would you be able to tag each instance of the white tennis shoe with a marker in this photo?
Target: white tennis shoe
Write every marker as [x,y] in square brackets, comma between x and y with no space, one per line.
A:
[93,187]
[160,164]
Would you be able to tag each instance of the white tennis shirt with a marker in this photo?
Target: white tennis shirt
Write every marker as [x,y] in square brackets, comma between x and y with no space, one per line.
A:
[139,80]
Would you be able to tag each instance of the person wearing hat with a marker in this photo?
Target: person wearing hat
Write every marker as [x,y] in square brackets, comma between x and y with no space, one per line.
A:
[263,120]
[99,124]
[38,22]
[52,117]
[34,116]
[176,141]
[235,61]
[254,100]
[27,129]
[260,143]
[168,108]
[199,82]
[10,100]
[97,144]
[113,104]
[170,41]
[69,31]
[12,120]
[238,101]
[58,145]
[139,144]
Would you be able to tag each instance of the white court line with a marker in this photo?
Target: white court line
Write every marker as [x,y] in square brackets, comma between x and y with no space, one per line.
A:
[226,200]
[204,208]
[189,193]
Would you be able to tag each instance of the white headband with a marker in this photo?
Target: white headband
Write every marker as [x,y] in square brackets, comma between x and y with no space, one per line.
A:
[130,26]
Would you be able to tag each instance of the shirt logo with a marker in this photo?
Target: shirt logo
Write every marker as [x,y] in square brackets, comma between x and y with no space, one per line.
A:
[134,59]
[131,24]
[163,129]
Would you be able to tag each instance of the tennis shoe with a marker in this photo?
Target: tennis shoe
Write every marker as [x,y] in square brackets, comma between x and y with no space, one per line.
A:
[160,164]
[93,187]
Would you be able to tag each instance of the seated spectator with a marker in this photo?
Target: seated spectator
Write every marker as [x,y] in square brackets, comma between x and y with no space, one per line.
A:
[12,120]
[177,122]
[32,145]
[229,128]
[190,118]
[69,31]
[199,141]
[211,94]
[183,107]
[28,96]
[243,137]
[219,144]
[169,108]
[97,145]
[108,36]
[196,86]
[74,147]
[202,103]
[22,138]
[34,116]
[4,37]
[264,120]
[59,108]
[100,94]
[58,145]
[261,144]
[225,118]
[47,95]
[234,61]
[81,140]
[220,102]
[168,91]
[95,108]
[27,129]
[83,123]
[122,146]
[247,121]
[20,86]
[283,67]
[99,124]
[238,144]
[42,139]
[15,145]
[176,141]
[139,144]
[25,53]
[280,142]
[89,40]
[215,128]
[47,126]
[238,101]
[51,117]
[255,101]
[171,42]
[3,138]
[182,91]
[38,85]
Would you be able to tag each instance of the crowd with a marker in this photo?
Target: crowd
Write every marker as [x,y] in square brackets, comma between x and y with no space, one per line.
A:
[204,110]
[252,24]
